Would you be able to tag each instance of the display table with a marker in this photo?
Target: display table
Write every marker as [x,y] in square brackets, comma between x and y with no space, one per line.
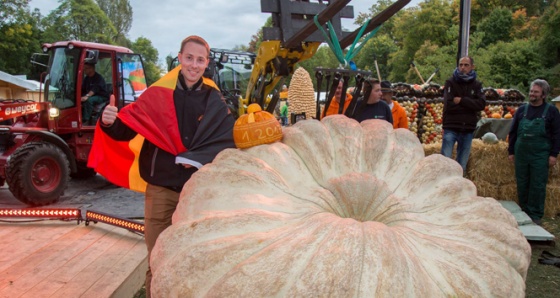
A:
[499,127]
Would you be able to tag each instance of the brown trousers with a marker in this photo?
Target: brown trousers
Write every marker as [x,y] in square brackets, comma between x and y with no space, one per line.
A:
[160,203]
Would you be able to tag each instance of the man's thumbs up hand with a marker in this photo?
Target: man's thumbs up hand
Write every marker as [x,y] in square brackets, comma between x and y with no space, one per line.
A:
[112,100]
[110,112]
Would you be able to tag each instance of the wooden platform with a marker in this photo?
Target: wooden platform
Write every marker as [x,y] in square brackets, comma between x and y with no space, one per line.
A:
[64,259]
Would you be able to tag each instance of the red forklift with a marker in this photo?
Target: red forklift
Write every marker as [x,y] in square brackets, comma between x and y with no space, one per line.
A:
[44,143]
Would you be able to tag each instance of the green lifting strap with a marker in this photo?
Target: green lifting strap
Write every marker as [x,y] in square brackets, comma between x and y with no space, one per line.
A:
[334,44]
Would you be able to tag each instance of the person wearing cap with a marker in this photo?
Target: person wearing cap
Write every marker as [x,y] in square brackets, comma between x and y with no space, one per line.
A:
[93,91]
[400,120]
[335,103]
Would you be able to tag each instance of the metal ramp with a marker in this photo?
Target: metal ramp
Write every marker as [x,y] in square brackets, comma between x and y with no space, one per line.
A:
[535,234]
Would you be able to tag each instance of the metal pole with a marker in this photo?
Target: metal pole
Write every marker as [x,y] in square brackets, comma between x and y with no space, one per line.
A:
[464,27]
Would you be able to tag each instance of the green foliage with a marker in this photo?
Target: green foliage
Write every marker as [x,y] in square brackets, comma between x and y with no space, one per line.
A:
[79,20]
[144,47]
[497,26]
[120,14]
[18,37]
[550,34]
[509,64]
[378,48]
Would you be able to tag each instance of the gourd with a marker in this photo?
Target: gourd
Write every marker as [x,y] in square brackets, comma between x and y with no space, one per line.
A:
[257,127]
[496,115]
[340,209]
[301,94]
[508,116]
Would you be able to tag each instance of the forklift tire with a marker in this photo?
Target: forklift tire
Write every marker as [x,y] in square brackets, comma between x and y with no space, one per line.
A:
[38,173]
[82,171]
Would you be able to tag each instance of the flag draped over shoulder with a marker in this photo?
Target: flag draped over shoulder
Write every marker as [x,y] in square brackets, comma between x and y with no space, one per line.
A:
[154,118]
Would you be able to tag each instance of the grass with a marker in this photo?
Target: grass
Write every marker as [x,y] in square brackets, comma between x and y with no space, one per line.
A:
[543,281]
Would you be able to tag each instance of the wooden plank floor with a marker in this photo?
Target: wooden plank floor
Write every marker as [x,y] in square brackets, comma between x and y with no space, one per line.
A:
[63,259]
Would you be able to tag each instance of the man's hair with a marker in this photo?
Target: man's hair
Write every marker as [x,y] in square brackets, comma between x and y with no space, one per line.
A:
[471,60]
[544,86]
[196,39]
[373,82]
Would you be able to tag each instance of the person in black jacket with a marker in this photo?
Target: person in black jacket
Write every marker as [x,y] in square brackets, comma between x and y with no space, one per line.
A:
[463,101]
[201,127]
[374,107]
[534,144]
[93,91]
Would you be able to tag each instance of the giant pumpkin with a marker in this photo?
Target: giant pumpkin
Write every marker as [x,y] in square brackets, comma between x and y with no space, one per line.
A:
[338,209]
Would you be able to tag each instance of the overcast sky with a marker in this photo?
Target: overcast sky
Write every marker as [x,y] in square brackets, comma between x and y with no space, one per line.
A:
[223,23]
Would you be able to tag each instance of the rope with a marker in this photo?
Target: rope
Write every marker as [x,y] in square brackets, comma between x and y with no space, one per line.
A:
[334,44]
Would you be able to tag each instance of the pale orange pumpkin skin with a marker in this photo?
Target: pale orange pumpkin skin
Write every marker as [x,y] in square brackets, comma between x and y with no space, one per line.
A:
[496,116]
[257,127]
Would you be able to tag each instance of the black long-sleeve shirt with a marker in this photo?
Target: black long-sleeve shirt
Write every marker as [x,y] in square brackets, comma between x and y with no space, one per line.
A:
[552,125]
[462,117]
[379,110]
[96,84]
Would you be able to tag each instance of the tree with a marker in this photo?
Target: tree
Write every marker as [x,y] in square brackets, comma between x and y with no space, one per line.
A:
[120,14]
[377,48]
[497,26]
[18,37]
[256,39]
[144,47]
[430,21]
[550,35]
[79,20]
[509,64]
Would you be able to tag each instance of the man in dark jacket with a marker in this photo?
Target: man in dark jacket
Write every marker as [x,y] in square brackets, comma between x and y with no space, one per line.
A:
[93,91]
[186,107]
[534,144]
[463,101]
[374,107]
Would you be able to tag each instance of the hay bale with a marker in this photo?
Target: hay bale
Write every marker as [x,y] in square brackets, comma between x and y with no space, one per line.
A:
[508,192]
[494,175]
[490,163]
[486,189]
[552,202]
[434,148]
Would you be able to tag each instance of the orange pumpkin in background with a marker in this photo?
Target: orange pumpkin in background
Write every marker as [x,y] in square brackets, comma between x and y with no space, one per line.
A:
[508,116]
[496,116]
[257,127]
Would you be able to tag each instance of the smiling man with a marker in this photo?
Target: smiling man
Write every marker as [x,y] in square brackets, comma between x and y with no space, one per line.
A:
[534,144]
[185,123]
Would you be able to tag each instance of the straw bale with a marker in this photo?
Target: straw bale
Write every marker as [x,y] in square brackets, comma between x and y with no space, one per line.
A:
[508,192]
[486,189]
[554,175]
[552,202]
[489,162]
[434,148]
[494,175]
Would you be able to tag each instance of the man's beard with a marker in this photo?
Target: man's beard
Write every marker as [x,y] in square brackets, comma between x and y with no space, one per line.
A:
[534,99]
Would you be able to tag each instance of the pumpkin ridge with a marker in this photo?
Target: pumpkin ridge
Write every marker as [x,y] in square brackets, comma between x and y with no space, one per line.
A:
[269,218]
[288,236]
